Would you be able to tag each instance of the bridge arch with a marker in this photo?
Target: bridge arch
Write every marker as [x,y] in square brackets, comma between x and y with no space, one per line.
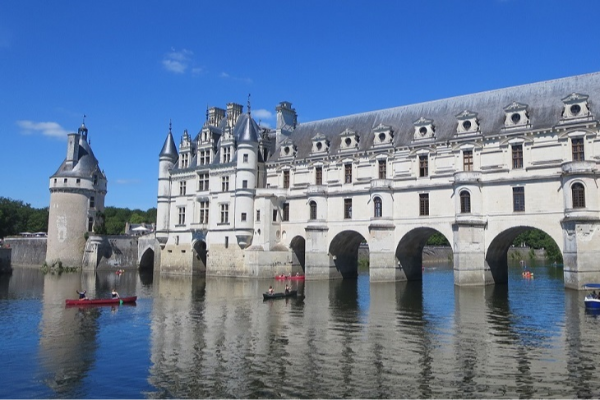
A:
[200,252]
[343,251]
[298,247]
[409,252]
[496,256]
[146,261]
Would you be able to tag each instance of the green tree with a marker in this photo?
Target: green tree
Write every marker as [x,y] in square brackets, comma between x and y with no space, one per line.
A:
[437,239]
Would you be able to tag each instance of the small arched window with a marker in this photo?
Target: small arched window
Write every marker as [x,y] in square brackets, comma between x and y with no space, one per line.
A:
[465,202]
[578,193]
[313,210]
[377,207]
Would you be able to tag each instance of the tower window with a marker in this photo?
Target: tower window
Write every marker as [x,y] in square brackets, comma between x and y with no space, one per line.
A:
[257,215]
[423,203]
[382,169]
[92,202]
[274,215]
[245,157]
[578,195]
[318,175]
[467,160]
[577,146]
[286,179]
[348,173]
[313,210]
[244,184]
[243,217]
[181,215]
[423,165]
[90,224]
[377,207]
[286,212]
[465,202]
[348,208]
[517,156]
[518,199]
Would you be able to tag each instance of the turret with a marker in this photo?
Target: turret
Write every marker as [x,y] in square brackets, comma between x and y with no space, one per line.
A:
[166,160]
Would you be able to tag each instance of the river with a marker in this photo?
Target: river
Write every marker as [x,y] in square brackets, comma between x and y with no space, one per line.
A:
[216,338]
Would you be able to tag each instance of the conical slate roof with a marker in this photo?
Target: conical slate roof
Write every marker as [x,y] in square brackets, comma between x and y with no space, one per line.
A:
[169,149]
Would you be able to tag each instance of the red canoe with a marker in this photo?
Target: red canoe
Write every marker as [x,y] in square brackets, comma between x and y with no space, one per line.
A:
[291,278]
[99,302]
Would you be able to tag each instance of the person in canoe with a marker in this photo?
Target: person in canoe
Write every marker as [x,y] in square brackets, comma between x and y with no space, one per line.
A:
[114,294]
[271,291]
[82,295]
[287,289]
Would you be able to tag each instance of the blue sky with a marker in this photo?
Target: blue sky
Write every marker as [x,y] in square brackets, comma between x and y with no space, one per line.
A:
[132,66]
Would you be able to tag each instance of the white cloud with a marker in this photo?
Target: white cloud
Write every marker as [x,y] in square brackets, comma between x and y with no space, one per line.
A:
[225,75]
[262,114]
[177,61]
[51,129]
[127,181]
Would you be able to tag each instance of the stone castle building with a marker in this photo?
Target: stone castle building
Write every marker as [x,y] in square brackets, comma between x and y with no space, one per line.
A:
[77,192]
[237,199]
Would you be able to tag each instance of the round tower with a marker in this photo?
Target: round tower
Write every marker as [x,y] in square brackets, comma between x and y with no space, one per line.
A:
[77,192]
[166,160]
[245,180]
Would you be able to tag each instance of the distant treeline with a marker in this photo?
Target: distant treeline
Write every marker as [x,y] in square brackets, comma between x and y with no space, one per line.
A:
[17,217]
[532,238]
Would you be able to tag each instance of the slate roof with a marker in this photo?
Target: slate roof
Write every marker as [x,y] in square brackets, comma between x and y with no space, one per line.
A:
[86,166]
[544,108]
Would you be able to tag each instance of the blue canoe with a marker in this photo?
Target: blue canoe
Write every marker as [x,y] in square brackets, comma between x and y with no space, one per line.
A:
[592,302]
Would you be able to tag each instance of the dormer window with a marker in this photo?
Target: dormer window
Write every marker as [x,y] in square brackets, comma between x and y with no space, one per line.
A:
[349,140]
[516,116]
[382,135]
[320,144]
[575,107]
[424,129]
[288,149]
[467,122]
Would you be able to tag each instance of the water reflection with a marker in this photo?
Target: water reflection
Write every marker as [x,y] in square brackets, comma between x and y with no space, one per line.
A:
[216,337]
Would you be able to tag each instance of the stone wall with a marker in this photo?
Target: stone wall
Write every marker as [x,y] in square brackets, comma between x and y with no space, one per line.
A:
[5,265]
[110,252]
[27,251]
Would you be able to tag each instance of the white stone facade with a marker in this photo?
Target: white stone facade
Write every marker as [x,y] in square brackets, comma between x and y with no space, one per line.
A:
[479,169]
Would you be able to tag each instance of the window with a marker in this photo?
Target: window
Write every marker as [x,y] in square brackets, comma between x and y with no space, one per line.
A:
[423,203]
[203,182]
[313,210]
[348,173]
[78,181]
[467,160]
[224,213]
[257,215]
[244,184]
[204,212]
[347,208]
[578,194]
[92,202]
[318,175]
[286,179]
[577,145]
[465,202]
[181,220]
[423,166]
[286,212]
[245,157]
[225,184]
[95,180]
[204,157]
[518,199]
[182,188]
[274,215]
[90,224]
[226,154]
[378,207]
[243,217]
[226,242]
[382,169]
[517,156]
[184,160]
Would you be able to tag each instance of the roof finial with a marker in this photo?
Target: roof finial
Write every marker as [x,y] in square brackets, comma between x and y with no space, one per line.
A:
[83,122]
[206,112]
[170,125]
[248,103]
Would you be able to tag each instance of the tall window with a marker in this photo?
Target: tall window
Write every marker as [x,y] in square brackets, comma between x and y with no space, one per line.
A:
[286,179]
[243,217]
[203,182]
[92,202]
[182,188]
[204,157]
[423,203]
[423,165]
[90,224]
[244,184]
[465,202]
[285,212]
[313,210]
[184,160]
[577,145]
[318,175]
[225,184]
[578,194]
[348,208]
[348,173]
[274,215]
[181,215]
[245,158]
[378,207]
[204,212]
[226,154]
[467,160]
[518,199]
[382,169]
[257,215]
[517,156]
[224,213]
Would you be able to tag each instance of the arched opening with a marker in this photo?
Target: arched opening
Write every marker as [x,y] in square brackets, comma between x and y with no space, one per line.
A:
[411,248]
[524,245]
[147,260]
[345,250]
[298,255]
[199,262]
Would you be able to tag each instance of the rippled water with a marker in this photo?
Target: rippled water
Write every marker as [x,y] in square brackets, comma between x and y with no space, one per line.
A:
[195,338]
